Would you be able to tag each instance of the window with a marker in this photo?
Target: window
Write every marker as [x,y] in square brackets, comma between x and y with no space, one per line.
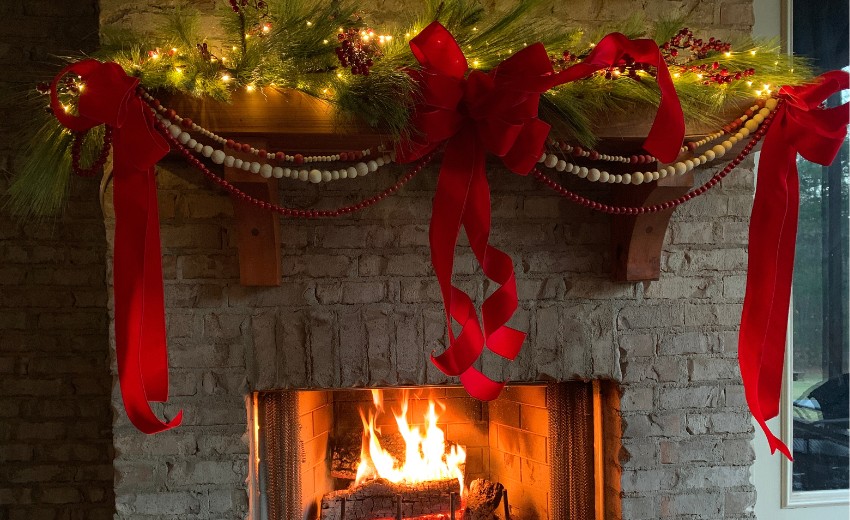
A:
[819,336]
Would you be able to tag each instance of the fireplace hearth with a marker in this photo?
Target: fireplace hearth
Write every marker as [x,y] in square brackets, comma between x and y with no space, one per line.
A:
[429,453]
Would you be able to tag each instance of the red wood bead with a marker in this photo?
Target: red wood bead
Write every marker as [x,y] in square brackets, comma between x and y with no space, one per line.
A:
[262,153]
[280,156]
[245,147]
[594,155]
[186,123]
[230,143]
[578,150]
[633,159]
[299,159]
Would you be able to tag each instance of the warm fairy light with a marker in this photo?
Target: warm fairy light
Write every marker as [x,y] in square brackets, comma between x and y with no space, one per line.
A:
[81,86]
[766,87]
[475,63]
[749,83]
[233,48]
[675,75]
[339,74]
[727,54]
[174,50]
[407,35]
[309,24]
[753,52]
[340,29]
[616,72]
[178,70]
[325,91]
[427,455]
[758,93]
[247,36]
[225,77]
[776,62]
[475,29]
[699,76]
[250,88]
[325,42]
[155,55]
[592,45]
[66,108]
[267,27]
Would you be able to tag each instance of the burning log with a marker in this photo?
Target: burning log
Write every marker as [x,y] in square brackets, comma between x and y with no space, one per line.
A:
[345,456]
[377,498]
[482,499]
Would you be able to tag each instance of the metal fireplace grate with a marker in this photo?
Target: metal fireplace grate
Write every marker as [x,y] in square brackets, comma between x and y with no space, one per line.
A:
[571,450]
[282,493]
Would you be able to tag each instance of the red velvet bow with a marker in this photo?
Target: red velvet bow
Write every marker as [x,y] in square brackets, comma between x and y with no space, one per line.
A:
[474,115]
[799,126]
[110,98]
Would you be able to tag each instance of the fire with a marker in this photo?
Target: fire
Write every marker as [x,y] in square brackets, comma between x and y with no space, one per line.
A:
[427,456]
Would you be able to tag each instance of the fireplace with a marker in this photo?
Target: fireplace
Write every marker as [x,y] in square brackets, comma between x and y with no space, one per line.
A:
[538,452]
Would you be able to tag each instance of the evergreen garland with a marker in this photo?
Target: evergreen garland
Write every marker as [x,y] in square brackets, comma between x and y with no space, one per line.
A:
[291,44]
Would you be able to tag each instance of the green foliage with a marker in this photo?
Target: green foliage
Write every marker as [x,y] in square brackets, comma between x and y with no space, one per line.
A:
[292,45]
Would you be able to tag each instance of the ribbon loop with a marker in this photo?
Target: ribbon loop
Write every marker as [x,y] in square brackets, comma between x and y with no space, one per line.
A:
[140,342]
[798,126]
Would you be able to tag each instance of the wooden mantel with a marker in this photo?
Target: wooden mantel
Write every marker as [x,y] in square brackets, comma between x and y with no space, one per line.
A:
[277,119]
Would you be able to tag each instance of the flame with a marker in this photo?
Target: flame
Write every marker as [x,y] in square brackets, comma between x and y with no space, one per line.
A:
[427,456]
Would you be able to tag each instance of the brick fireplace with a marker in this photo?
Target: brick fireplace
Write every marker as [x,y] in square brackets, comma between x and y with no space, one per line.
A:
[359,307]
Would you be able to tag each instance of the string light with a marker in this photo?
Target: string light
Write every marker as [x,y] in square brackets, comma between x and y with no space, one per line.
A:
[475,63]
[752,52]
[250,88]
[727,54]
[325,42]
[267,27]
[225,77]
[309,24]
[675,75]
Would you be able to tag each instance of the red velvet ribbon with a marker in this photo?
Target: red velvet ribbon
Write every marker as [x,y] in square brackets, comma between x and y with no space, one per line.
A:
[668,129]
[109,97]
[799,126]
[476,113]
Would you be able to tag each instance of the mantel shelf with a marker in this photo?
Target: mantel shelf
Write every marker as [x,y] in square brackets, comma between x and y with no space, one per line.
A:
[291,120]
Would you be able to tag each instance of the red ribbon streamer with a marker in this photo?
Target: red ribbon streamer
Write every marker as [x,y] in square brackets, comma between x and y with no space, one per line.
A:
[109,97]
[800,126]
[474,113]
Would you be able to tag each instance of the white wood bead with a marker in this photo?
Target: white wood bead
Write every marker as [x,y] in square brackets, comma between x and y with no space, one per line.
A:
[175,131]
[764,112]
[315,176]
[277,172]
[656,175]
[362,169]
[217,156]
[255,167]
[671,169]
[626,178]
[751,125]
[326,176]
[593,174]
[727,144]
[302,175]
[758,118]
[604,176]
[351,172]
[569,168]
[184,137]
[207,151]
[689,164]
[335,175]
[637,178]
[680,167]
[199,147]
[745,132]
[229,161]
[582,172]
[771,103]
[612,179]
[719,151]
[237,163]
[379,161]
[247,166]
[372,165]
[192,143]
[709,155]
[266,171]
[561,165]
[551,160]
[542,158]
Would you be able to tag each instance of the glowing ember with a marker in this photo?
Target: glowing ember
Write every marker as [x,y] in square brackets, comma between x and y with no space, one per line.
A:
[427,456]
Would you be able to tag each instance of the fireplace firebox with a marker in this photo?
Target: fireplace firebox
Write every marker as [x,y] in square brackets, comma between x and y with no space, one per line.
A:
[539,452]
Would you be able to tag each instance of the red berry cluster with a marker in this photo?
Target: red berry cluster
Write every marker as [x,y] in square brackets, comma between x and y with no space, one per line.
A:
[565,60]
[76,153]
[684,41]
[356,52]
[237,5]
[714,73]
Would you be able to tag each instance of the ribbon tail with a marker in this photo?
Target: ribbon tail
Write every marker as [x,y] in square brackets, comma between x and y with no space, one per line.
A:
[450,204]
[764,318]
[480,386]
[139,320]
[497,265]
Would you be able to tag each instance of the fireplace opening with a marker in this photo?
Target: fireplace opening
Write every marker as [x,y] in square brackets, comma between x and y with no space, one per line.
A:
[538,452]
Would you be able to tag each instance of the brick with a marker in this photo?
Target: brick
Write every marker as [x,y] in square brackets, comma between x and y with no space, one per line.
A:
[699,505]
[673,398]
